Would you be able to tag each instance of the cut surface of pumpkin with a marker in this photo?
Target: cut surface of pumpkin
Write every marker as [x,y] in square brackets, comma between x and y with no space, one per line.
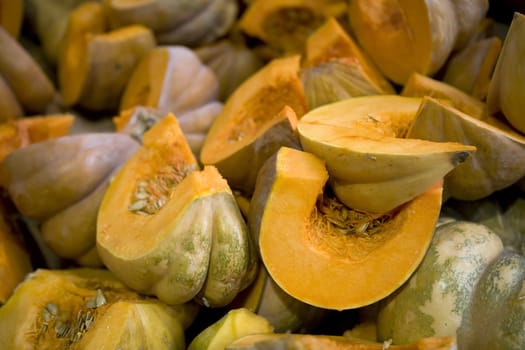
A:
[374,166]
[254,106]
[167,229]
[325,254]
[285,25]
[419,85]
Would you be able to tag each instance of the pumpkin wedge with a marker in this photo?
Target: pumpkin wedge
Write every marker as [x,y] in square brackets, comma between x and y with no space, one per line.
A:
[266,139]
[373,166]
[82,23]
[332,42]
[232,60]
[185,23]
[101,61]
[167,229]
[403,37]
[88,309]
[21,132]
[46,177]
[249,111]
[506,93]
[419,85]
[325,254]
[335,68]
[499,158]
[170,79]
[17,68]
[471,68]
[285,25]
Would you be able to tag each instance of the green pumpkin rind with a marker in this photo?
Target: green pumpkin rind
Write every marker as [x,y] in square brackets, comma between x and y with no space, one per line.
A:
[496,316]
[433,301]
[46,177]
[71,232]
[192,243]
[51,309]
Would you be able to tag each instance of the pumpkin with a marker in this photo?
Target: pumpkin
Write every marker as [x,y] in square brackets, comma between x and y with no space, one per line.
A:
[11,16]
[15,259]
[334,67]
[501,212]
[498,161]
[235,324]
[168,229]
[333,342]
[422,34]
[60,182]
[232,61]
[467,286]
[285,25]
[251,110]
[373,166]
[21,132]
[88,309]
[101,61]
[176,23]
[470,69]
[17,67]
[170,79]
[48,21]
[328,255]
[255,146]
[419,85]
[506,91]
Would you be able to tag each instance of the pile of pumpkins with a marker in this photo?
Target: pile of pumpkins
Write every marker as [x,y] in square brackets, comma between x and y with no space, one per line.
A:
[227,174]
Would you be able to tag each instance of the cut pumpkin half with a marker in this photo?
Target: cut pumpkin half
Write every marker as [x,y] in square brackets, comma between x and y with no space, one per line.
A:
[328,255]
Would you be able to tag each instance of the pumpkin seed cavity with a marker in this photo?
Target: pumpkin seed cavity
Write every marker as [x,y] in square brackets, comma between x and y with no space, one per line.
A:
[64,326]
[153,192]
[345,232]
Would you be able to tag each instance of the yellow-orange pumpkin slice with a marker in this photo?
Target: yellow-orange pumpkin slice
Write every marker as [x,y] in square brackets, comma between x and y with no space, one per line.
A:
[374,167]
[498,162]
[168,229]
[325,254]
[419,85]
[254,106]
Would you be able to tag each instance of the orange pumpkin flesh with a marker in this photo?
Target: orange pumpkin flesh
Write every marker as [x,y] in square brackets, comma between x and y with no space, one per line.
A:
[310,257]
[253,107]
[24,131]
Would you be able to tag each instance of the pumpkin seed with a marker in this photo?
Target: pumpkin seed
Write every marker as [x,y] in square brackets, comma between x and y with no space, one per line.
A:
[152,193]
[346,220]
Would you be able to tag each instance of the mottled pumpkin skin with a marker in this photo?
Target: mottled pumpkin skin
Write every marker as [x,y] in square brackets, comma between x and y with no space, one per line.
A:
[61,182]
[468,286]
[194,245]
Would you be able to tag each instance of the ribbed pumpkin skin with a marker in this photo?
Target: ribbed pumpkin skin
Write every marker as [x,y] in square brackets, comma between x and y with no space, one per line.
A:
[497,312]
[457,279]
